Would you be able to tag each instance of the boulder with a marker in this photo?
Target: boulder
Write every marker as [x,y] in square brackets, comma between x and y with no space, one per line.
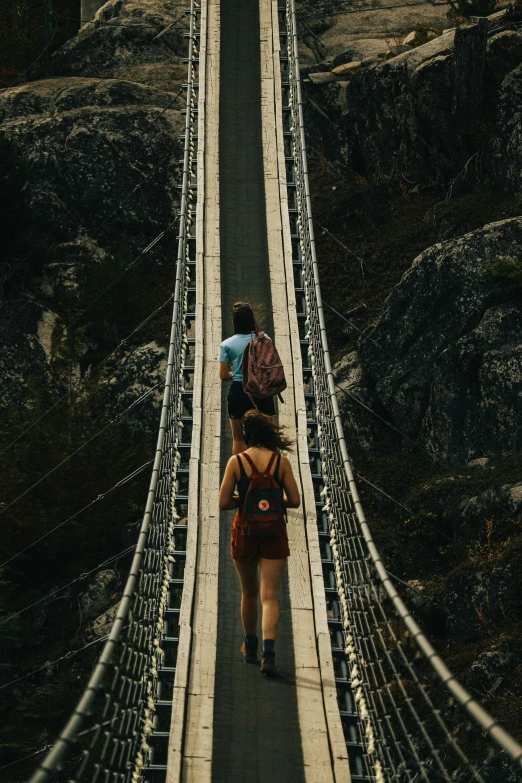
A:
[370,29]
[507,498]
[132,375]
[84,148]
[103,589]
[409,116]
[88,138]
[443,360]
[347,68]
[420,36]
[121,43]
[401,114]
[362,428]
[102,625]
[323,77]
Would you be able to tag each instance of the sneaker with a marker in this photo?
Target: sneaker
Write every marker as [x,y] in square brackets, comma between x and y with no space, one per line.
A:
[249,652]
[268,665]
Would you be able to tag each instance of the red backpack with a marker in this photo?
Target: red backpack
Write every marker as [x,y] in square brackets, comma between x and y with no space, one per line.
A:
[263,514]
[263,373]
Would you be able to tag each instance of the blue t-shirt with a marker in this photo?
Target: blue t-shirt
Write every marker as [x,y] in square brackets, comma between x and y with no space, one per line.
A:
[231,350]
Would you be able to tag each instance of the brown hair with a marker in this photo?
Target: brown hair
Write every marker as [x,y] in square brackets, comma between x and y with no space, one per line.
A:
[244,319]
[259,430]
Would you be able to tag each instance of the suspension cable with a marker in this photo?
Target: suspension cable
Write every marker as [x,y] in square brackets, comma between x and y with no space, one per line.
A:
[79,578]
[48,664]
[363,584]
[82,381]
[26,758]
[126,672]
[91,189]
[99,497]
[130,407]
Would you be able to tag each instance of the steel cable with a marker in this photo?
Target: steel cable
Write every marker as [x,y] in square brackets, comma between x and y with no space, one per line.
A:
[117,418]
[82,381]
[91,189]
[79,578]
[403,723]
[97,499]
[48,664]
[119,702]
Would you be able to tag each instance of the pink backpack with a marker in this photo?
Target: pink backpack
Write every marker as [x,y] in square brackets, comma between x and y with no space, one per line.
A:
[263,373]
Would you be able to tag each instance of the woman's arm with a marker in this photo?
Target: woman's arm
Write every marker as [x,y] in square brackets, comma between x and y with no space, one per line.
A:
[292,499]
[227,499]
[224,371]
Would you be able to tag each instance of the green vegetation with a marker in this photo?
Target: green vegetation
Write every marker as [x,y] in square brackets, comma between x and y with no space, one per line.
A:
[424,33]
[505,278]
[467,8]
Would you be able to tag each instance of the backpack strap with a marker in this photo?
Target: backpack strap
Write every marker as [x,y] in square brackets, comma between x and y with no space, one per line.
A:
[271,462]
[241,467]
[245,455]
[276,471]
[268,467]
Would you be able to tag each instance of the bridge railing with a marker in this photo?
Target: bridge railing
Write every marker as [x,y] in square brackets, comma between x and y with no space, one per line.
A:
[107,737]
[415,720]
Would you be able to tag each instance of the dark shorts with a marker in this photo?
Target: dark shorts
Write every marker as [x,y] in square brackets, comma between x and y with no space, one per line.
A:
[239,403]
[248,550]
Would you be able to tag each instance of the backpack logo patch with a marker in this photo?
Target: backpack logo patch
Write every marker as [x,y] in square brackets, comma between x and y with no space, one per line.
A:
[263,505]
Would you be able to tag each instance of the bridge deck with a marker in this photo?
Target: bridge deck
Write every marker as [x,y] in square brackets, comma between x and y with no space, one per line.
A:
[256,725]
[228,723]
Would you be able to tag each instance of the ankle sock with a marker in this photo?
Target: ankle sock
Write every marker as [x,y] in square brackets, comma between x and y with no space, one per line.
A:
[251,641]
[269,646]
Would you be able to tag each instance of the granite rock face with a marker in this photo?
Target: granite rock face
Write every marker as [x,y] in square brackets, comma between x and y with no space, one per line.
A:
[97,146]
[100,592]
[505,148]
[139,372]
[121,42]
[405,122]
[444,362]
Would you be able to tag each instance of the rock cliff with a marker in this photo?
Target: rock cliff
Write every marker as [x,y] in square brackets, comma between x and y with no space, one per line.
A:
[99,162]
[90,170]
[444,111]
[444,360]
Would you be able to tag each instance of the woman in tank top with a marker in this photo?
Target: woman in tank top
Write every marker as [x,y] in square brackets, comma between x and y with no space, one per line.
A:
[231,357]
[259,562]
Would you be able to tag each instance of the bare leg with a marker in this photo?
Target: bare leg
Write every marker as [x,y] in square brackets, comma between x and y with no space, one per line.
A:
[239,444]
[249,578]
[271,575]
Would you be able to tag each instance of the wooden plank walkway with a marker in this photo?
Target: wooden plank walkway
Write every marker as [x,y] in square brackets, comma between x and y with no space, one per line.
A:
[319,719]
[229,723]
[252,715]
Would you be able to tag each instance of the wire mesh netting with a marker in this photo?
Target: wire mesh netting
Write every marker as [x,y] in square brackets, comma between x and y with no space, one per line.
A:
[399,703]
[110,736]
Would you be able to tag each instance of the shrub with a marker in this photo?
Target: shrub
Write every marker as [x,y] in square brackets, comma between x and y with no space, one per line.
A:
[505,278]
[466,8]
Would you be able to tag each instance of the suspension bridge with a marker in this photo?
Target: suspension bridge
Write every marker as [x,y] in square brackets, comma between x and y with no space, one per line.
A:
[364,696]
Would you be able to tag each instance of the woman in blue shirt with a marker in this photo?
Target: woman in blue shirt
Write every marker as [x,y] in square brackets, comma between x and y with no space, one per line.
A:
[231,358]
